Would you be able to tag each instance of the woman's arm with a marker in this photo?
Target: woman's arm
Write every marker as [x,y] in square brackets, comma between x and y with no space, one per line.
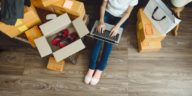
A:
[123,19]
[102,13]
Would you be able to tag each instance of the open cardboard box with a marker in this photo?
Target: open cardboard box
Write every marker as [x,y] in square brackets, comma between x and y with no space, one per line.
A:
[53,27]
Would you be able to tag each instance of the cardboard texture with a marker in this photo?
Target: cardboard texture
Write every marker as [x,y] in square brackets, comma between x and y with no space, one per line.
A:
[68,4]
[147,46]
[43,46]
[33,34]
[56,66]
[39,4]
[30,19]
[43,3]
[71,49]
[148,32]
[72,7]
[48,2]
[53,27]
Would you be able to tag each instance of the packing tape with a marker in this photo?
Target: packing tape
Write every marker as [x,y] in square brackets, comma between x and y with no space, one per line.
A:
[20,26]
[68,4]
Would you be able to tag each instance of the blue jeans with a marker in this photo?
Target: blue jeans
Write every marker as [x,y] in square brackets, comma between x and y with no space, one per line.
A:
[108,18]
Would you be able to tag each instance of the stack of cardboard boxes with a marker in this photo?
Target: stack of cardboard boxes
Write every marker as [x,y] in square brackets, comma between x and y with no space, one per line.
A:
[30,19]
[72,7]
[72,16]
[149,39]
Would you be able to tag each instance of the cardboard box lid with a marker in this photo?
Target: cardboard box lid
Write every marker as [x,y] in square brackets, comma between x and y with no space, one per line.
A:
[69,50]
[43,46]
[80,27]
[55,25]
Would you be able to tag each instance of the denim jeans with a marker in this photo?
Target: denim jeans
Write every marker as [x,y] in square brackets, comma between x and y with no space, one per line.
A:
[108,18]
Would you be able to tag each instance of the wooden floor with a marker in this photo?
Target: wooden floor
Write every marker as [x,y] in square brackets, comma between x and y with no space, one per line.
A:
[164,73]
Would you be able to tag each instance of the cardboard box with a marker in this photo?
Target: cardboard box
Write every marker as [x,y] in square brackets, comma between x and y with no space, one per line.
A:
[56,66]
[39,4]
[43,3]
[153,46]
[30,19]
[148,46]
[53,27]
[33,34]
[9,30]
[148,32]
[72,7]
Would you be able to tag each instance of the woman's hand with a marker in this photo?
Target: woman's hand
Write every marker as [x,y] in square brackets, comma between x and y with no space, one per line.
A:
[101,26]
[114,31]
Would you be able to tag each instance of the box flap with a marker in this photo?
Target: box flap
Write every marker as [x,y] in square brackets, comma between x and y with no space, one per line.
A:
[55,25]
[80,27]
[9,30]
[43,46]
[68,50]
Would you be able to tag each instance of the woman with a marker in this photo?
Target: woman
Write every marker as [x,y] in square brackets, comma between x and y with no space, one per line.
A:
[114,12]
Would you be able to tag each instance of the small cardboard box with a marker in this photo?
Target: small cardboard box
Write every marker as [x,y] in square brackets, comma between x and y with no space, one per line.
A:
[148,46]
[72,7]
[153,46]
[30,19]
[56,66]
[33,34]
[53,27]
[148,32]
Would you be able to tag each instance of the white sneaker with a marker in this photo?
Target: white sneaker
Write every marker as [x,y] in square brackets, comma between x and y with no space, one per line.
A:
[94,81]
[87,79]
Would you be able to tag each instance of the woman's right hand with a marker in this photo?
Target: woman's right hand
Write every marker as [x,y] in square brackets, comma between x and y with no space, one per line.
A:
[101,27]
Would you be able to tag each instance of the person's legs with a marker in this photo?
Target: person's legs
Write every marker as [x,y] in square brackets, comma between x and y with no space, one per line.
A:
[93,60]
[108,46]
[97,46]
[95,54]
[106,52]
[103,62]
[105,56]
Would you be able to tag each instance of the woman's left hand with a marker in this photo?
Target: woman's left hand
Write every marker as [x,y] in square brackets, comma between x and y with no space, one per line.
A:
[114,31]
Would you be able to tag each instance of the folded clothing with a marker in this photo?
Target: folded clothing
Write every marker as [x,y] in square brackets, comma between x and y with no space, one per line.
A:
[11,10]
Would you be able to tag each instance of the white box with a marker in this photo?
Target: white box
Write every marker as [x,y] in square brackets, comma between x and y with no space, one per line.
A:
[56,25]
